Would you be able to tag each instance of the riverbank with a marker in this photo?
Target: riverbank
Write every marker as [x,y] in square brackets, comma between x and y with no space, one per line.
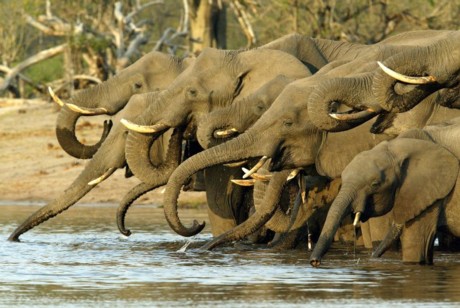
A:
[33,167]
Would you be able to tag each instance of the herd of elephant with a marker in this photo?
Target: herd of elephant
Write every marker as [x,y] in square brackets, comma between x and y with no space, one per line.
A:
[292,141]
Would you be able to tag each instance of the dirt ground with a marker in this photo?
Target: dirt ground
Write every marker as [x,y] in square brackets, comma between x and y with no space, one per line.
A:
[33,167]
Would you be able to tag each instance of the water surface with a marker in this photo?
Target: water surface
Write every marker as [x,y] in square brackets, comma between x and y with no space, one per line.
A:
[79,259]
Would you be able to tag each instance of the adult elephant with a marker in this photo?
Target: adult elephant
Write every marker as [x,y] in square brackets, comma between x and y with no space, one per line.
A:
[286,134]
[216,79]
[382,92]
[412,176]
[152,72]
[107,160]
[111,154]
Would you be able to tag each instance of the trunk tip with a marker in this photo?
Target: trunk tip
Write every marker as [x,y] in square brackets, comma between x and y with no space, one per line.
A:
[14,238]
[315,262]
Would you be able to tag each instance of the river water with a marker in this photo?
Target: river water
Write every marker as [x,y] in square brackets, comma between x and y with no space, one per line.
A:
[79,259]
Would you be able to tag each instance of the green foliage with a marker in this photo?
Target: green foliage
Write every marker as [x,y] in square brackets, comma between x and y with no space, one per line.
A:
[47,70]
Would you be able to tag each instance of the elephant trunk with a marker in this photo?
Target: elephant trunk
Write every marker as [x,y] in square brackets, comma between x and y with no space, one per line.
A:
[126,203]
[335,215]
[233,150]
[97,168]
[78,189]
[259,217]
[158,178]
[354,92]
[108,96]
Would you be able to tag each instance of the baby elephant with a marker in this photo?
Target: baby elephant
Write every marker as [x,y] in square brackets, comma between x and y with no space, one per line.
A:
[413,178]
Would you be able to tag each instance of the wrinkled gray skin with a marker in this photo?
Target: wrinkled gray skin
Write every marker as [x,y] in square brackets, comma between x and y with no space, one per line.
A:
[216,79]
[368,81]
[438,57]
[152,72]
[413,176]
[111,154]
[286,134]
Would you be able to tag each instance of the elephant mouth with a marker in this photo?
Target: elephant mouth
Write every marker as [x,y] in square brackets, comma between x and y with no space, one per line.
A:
[282,159]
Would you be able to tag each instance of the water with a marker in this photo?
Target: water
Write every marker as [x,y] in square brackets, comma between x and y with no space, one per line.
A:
[79,259]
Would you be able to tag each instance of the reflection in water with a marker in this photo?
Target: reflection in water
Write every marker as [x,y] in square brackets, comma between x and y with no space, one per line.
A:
[79,258]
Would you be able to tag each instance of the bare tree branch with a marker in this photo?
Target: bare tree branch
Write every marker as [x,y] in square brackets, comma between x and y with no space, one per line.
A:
[42,55]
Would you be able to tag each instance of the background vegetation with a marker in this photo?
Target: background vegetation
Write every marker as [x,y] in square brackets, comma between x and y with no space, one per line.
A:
[70,44]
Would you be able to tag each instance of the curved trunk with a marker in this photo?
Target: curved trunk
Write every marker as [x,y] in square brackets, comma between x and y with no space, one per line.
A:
[159,178]
[110,95]
[354,92]
[395,96]
[126,203]
[233,150]
[138,145]
[335,215]
[66,136]
[260,216]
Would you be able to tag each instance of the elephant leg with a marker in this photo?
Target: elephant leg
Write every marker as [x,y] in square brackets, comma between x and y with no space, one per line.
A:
[226,202]
[417,239]
[292,239]
[375,229]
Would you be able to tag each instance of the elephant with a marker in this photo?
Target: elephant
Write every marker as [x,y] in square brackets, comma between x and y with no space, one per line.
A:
[286,134]
[439,70]
[107,160]
[382,93]
[217,79]
[111,154]
[154,71]
[412,177]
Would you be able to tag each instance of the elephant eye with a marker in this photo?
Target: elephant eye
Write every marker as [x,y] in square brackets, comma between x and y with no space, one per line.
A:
[375,184]
[138,85]
[192,92]
[288,122]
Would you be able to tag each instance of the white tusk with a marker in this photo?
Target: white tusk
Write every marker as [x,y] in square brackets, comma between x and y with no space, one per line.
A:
[225,133]
[55,98]
[352,116]
[236,164]
[293,174]
[357,217]
[102,177]
[250,182]
[404,78]
[256,167]
[143,128]
[86,111]
[258,177]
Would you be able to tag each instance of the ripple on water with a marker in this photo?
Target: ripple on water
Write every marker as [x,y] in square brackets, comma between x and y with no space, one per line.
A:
[80,259]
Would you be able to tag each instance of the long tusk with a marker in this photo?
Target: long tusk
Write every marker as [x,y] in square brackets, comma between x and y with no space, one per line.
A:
[256,167]
[258,177]
[293,174]
[404,78]
[87,111]
[352,116]
[225,133]
[102,177]
[55,98]
[146,129]
[249,182]
[357,217]
[236,164]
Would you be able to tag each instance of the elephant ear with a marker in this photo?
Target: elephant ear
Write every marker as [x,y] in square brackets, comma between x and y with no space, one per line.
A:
[428,173]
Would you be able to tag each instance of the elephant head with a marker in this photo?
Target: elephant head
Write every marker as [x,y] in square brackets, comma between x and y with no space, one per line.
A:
[216,79]
[408,77]
[151,72]
[227,122]
[405,176]
[284,133]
